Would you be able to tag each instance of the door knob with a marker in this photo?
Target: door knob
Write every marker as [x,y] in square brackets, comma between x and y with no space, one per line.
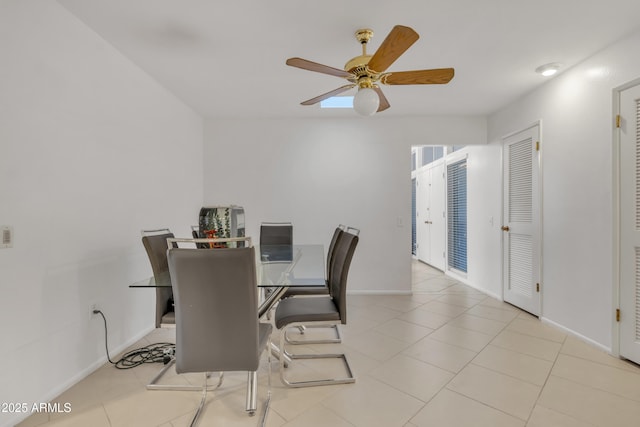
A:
[505,228]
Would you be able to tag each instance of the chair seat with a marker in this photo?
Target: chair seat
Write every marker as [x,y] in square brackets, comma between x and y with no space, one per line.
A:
[169,318]
[293,310]
[306,291]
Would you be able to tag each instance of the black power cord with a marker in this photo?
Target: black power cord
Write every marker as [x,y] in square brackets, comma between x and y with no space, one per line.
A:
[153,353]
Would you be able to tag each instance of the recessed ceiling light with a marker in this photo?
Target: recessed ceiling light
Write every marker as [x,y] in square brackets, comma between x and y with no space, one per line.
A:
[548,69]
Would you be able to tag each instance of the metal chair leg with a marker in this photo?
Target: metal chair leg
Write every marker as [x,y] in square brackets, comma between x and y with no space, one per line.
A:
[328,381]
[252,390]
[153,384]
[268,401]
[196,416]
[302,328]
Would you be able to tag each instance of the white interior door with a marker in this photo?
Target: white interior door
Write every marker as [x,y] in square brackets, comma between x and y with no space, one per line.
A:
[630,224]
[521,220]
[423,230]
[437,217]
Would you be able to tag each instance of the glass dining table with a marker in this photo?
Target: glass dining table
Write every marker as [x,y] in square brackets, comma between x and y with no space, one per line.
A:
[278,267]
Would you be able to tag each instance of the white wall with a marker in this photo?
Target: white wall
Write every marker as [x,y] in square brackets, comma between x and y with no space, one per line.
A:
[484,202]
[91,152]
[319,173]
[576,134]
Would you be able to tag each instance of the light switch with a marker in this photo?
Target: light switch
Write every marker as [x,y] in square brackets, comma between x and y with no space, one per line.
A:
[7,236]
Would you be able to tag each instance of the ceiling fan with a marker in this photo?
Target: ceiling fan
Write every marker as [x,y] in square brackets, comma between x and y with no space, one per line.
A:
[366,71]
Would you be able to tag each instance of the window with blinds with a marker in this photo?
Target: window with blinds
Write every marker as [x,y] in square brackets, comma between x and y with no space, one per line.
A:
[457,215]
[637,164]
[637,289]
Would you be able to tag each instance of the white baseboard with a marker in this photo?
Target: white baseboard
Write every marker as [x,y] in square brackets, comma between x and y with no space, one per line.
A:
[490,294]
[576,334]
[379,292]
[472,285]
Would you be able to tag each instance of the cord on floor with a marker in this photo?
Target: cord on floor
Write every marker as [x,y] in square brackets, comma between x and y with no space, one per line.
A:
[153,353]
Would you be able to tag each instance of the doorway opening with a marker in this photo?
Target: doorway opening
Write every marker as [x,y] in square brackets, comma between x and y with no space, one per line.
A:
[439,215]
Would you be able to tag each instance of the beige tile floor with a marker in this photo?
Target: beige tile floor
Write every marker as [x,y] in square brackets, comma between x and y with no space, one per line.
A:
[446,356]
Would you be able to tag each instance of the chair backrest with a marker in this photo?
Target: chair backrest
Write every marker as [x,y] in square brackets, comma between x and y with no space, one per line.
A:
[156,246]
[353,230]
[276,233]
[330,253]
[345,247]
[216,305]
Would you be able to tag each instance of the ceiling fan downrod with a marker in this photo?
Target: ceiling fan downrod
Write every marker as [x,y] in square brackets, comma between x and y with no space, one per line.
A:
[357,64]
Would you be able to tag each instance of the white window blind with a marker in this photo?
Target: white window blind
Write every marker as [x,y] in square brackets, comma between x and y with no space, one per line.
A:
[637,164]
[457,215]
[637,288]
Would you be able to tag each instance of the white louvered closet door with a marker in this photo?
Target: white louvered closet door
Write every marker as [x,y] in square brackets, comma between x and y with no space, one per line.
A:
[521,221]
[630,224]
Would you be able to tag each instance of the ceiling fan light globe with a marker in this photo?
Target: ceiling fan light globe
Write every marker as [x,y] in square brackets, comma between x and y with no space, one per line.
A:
[366,102]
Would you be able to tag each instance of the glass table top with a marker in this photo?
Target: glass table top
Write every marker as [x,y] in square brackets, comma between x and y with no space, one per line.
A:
[277,265]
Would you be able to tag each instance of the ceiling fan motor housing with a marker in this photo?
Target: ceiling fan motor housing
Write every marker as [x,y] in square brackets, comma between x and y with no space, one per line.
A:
[358,64]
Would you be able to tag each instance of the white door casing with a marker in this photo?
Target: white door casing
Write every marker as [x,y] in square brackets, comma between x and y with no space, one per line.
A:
[521,220]
[423,231]
[629,223]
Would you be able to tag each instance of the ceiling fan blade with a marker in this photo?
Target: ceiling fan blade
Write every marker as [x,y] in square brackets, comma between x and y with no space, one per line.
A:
[384,104]
[319,68]
[397,42]
[419,77]
[327,95]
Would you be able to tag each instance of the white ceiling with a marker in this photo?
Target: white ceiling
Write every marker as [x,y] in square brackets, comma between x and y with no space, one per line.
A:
[227,58]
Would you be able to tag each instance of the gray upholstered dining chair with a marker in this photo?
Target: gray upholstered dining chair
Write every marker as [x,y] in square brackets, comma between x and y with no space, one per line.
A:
[276,233]
[217,327]
[155,243]
[321,310]
[279,235]
[319,290]
[315,291]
